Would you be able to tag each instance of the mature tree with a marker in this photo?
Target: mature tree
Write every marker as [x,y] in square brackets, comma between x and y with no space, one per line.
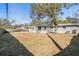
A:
[36,22]
[51,11]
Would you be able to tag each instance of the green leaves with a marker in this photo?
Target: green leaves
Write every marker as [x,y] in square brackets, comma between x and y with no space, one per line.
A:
[5,23]
[51,10]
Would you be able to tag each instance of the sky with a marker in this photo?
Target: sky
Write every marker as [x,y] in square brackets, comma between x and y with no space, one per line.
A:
[70,12]
[21,12]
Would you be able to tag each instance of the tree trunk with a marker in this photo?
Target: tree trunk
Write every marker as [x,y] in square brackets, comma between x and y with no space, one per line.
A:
[55,30]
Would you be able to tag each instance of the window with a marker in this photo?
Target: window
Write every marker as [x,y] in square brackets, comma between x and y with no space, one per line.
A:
[64,27]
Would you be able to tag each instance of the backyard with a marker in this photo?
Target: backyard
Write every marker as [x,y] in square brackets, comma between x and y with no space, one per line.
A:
[39,29]
[40,43]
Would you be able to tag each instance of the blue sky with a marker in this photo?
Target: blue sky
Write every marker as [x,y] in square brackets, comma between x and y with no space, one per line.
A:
[70,12]
[21,12]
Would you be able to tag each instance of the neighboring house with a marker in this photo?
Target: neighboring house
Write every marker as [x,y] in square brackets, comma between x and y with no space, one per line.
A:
[61,28]
[19,29]
[33,29]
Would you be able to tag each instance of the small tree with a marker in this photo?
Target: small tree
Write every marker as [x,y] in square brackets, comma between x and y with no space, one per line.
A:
[5,23]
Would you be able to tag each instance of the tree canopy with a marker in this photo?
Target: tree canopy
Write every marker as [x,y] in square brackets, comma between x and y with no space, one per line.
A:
[52,10]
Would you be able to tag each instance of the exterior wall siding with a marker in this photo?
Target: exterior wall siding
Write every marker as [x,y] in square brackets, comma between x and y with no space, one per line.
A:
[59,29]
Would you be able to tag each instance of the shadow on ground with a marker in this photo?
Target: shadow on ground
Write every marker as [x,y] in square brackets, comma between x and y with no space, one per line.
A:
[72,49]
[57,45]
[10,46]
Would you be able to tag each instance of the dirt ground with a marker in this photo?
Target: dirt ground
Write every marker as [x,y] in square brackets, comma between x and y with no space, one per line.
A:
[39,44]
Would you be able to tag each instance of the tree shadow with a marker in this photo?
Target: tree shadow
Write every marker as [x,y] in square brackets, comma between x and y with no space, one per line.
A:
[57,45]
[72,49]
[10,46]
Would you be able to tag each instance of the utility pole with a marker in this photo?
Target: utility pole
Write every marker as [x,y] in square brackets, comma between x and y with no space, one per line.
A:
[6,10]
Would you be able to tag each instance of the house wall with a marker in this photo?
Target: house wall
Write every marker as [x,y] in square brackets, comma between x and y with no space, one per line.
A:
[33,29]
[66,29]
[59,29]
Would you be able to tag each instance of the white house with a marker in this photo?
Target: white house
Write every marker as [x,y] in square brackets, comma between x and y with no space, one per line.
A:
[61,28]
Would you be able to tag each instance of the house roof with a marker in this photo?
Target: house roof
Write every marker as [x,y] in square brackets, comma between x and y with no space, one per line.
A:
[69,24]
[59,25]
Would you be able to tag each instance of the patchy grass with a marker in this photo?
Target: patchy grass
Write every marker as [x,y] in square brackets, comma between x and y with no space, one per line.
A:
[41,44]
[38,44]
[62,39]
[72,49]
